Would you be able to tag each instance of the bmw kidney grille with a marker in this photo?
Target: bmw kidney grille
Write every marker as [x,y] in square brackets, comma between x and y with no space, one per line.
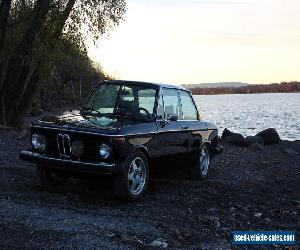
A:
[64,145]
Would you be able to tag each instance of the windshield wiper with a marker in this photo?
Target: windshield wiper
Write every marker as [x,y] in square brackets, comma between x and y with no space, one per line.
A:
[82,111]
[133,117]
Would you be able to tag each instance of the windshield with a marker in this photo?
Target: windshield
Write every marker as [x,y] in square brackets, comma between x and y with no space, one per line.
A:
[136,102]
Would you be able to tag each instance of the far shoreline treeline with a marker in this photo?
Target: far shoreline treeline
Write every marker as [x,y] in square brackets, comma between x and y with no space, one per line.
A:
[284,87]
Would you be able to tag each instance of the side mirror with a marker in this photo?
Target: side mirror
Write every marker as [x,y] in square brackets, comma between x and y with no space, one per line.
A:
[172,118]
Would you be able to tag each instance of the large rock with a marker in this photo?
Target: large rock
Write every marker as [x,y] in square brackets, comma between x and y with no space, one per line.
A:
[249,140]
[232,138]
[270,136]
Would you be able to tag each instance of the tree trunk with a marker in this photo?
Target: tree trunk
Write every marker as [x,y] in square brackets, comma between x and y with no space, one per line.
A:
[14,90]
[5,6]
[4,14]
[19,86]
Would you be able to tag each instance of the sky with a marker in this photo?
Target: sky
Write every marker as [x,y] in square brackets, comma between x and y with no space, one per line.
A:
[201,41]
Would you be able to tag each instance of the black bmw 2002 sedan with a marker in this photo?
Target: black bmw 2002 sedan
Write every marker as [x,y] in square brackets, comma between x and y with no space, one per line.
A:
[120,130]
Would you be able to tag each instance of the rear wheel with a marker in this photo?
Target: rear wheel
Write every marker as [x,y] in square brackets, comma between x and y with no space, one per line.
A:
[132,183]
[47,176]
[201,166]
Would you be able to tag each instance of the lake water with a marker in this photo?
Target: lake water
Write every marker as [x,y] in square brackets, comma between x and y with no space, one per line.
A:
[249,114]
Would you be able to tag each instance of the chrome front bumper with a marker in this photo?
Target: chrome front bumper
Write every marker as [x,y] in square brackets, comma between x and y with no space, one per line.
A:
[69,164]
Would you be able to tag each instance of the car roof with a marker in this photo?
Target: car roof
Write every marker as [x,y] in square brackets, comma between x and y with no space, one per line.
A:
[149,84]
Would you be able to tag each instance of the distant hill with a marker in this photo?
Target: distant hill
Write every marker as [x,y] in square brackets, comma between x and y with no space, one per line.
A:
[216,85]
[284,87]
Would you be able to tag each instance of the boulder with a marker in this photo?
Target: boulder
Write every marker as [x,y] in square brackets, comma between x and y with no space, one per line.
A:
[249,140]
[270,136]
[226,132]
[232,138]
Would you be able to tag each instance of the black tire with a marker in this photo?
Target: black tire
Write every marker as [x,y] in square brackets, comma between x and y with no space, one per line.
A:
[47,176]
[198,170]
[123,186]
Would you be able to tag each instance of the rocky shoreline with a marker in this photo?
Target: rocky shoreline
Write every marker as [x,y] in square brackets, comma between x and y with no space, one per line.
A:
[266,137]
[247,189]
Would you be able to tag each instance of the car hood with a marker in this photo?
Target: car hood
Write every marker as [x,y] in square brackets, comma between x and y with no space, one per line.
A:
[79,121]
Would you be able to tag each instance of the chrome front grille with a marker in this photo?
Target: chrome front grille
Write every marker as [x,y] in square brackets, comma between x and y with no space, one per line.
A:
[64,145]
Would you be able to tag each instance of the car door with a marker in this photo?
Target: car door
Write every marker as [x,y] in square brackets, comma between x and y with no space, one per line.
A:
[196,128]
[173,137]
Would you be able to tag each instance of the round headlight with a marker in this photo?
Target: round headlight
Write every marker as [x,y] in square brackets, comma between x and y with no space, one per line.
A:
[39,142]
[104,151]
[77,148]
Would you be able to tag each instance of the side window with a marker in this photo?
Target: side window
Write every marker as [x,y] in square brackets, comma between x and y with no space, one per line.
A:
[172,103]
[147,99]
[126,94]
[160,107]
[188,108]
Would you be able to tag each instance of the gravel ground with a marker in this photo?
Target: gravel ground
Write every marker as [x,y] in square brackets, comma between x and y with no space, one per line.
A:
[246,190]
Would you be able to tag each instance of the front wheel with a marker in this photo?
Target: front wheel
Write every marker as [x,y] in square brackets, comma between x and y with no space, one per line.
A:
[200,167]
[132,183]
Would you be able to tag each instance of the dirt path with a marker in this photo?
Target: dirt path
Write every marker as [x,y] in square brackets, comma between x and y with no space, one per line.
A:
[246,190]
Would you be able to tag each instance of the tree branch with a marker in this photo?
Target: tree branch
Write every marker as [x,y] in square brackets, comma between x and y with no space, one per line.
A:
[63,18]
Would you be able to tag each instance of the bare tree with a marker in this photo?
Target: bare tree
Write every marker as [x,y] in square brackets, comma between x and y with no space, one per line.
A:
[13,90]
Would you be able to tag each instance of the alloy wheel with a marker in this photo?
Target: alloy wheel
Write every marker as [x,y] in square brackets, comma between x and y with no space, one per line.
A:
[204,160]
[136,176]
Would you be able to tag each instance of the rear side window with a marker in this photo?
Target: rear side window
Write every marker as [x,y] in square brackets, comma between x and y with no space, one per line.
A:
[172,103]
[189,111]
